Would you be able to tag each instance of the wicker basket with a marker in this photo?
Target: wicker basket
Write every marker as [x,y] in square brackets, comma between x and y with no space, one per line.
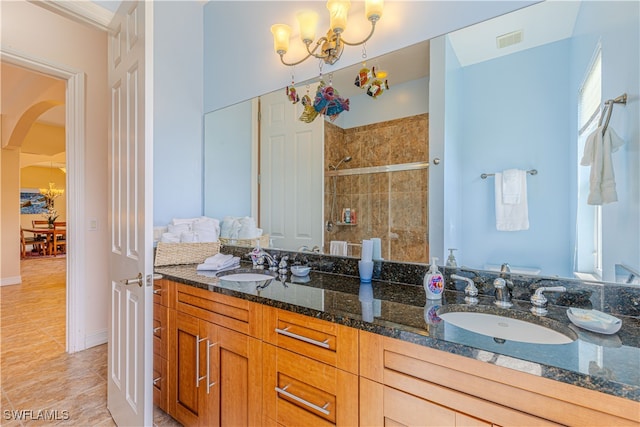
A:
[184,253]
[263,241]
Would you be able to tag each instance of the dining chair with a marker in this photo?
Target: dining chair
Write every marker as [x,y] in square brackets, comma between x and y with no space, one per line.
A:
[33,241]
[59,238]
[40,223]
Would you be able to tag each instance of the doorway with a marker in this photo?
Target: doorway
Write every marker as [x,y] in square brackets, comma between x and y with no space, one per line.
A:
[74,161]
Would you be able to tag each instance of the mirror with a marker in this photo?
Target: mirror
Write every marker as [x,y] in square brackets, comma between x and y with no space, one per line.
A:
[518,109]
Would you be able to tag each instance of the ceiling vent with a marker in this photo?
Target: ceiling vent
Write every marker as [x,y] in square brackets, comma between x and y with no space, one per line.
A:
[509,39]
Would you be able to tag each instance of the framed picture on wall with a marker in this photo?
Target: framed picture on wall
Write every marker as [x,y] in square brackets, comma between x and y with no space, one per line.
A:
[31,202]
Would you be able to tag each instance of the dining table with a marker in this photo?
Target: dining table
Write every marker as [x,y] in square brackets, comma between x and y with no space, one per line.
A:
[51,237]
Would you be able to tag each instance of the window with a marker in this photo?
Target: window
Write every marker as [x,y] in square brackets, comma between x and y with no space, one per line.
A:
[589,220]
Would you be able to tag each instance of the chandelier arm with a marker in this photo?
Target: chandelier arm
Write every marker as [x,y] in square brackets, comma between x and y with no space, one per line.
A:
[310,53]
[373,28]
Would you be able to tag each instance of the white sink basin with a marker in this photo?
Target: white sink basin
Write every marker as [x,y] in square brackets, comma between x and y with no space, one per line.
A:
[505,328]
[246,277]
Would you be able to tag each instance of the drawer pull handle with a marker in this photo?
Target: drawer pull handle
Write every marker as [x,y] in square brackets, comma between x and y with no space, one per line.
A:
[321,409]
[198,377]
[285,331]
[157,329]
[157,291]
[209,385]
[156,380]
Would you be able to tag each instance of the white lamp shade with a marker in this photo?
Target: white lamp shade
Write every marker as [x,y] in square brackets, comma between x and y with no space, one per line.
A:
[308,21]
[339,12]
[373,9]
[281,35]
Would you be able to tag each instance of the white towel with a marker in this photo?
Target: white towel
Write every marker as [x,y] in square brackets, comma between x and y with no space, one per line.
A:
[338,247]
[597,153]
[170,238]
[208,229]
[512,186]
[512,216]
[218,262]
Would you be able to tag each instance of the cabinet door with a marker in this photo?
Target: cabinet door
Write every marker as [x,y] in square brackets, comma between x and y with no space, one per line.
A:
[235,386]
[188,371]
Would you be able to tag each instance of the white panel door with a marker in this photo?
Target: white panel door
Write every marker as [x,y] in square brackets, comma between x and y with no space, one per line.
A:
[291,174]
[130,346]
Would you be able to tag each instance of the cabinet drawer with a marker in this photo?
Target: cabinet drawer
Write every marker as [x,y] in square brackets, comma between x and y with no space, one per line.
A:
[160,330]
[330,343]
[304,392]
[232,313]
[163,292]
[160,383]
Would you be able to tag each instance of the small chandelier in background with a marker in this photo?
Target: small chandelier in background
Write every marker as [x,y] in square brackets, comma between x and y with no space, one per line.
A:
[331,45]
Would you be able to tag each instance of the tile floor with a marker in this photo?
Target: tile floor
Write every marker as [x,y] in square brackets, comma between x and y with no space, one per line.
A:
[36,374]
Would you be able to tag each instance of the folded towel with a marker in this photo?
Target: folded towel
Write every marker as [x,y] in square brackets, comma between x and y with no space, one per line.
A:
[338,247]
[514,216]
[597,154]
[208,229]
[512,185]
[178,229]
[170,238]
[219,262]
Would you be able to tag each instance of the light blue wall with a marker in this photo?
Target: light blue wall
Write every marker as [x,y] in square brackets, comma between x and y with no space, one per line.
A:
[489,139]
[227,179]
[616,29]
[178,100]
[495,135]
[240,62]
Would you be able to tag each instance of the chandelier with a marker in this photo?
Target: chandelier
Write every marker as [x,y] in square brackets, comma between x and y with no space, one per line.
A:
[328,48]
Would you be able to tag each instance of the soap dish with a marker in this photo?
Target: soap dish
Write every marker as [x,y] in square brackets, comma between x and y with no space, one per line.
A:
[594,320]
[300,270]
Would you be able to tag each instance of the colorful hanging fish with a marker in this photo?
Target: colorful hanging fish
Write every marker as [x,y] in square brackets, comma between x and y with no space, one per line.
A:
[328,102]
[376,88]
[309,114]
[292,94]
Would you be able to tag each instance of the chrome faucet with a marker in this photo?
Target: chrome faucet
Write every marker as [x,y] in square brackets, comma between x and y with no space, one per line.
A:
[539,301]
[470,291]
[258,254]
[502,293]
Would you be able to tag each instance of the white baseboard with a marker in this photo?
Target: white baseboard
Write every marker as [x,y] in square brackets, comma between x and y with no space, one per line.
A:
[97,338]
[15,280]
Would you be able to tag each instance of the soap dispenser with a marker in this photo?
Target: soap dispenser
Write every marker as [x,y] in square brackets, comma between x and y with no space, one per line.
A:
[451,261]
[433,282]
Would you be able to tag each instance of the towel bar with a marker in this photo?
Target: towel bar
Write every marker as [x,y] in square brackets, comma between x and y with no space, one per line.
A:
[530,172]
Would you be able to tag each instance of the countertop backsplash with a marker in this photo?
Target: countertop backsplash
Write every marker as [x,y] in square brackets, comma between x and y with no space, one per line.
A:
[623,300]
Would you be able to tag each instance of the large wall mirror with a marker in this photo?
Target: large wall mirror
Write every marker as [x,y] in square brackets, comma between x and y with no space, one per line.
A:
[467,108]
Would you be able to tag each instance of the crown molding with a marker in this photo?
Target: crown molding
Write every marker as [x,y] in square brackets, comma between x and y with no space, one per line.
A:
[83,11]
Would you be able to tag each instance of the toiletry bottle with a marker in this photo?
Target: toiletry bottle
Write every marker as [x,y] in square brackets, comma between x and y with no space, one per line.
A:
[347,215]
[451,261]
[434,282]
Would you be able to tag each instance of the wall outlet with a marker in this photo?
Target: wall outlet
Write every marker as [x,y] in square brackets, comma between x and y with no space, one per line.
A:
[93,224]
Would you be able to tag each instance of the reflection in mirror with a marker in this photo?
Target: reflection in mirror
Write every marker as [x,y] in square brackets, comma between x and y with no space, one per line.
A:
[515,107]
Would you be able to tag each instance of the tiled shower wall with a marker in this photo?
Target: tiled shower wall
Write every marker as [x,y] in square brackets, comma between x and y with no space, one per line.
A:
[391,205]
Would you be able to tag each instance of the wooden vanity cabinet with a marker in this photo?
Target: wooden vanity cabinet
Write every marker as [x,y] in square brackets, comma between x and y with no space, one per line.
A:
[310,371]
[216,353]
[162,303]
[402,383]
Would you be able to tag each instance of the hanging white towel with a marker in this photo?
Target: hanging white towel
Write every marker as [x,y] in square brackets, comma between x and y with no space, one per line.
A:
[512,186]
[512,216]
[338,247]
[597,154]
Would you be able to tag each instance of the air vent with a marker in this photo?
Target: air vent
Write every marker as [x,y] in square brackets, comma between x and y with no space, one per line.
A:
[509,39]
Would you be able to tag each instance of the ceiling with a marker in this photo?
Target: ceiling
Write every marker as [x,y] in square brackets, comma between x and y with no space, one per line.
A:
[21,88]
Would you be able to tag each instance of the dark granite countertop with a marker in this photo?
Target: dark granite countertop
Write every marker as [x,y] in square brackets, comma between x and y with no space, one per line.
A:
[605,363]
